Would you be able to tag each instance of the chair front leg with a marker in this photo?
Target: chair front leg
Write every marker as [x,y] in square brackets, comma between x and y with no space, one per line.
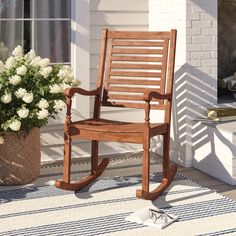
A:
[96,170]
[146,167]
[67,158]
[67,142]
[146,154]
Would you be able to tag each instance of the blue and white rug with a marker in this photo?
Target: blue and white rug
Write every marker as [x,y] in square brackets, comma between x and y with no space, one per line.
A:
[101,208]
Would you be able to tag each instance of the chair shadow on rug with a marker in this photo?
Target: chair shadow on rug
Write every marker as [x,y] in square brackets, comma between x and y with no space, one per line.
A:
[115,182]
[136,70]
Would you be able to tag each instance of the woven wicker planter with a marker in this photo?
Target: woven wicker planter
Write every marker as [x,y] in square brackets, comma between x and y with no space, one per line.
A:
[20,158]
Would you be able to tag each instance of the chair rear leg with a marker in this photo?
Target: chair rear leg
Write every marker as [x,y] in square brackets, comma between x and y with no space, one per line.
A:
[169,171]
[97,169]
[94,157]
[166,156]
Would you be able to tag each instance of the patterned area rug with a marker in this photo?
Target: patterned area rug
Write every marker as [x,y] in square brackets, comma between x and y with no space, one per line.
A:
[101,208]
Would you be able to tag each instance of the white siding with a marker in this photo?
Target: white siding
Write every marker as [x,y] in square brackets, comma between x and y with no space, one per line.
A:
[171,14]
[90,17]
[115,15]
[163,16]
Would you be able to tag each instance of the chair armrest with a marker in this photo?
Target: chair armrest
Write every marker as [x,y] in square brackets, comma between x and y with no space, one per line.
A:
[148,95]
[69,92]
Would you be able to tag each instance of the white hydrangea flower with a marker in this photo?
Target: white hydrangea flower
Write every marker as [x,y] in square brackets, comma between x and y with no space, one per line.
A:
[76,82]
[59,105]
[2,67]
[30,55]
[44,62]
[36,61]
[45,72]
[42,114]
[15,125]
[62,74]
[14,80]
[65,86]
[18,51]
[23,112]
[43,103]
[28,97]
[20,93]
[68,68]
[6,98]
[21,70]
[55,88]
[10,63]
[68,79]
[66,72]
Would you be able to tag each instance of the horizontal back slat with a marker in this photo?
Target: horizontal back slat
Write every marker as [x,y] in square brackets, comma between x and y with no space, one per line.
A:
[137,58]
[136,66]
[125,97]
[134,82]
[139,43]
[138,35]
[129,89]
[135,74]
[136,51]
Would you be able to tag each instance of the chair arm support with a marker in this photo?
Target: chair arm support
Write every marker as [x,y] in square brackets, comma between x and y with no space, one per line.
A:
[69,92]
[148,95]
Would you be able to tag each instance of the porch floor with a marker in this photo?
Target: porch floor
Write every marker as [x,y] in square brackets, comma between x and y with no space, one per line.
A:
[209,181]
[130,164]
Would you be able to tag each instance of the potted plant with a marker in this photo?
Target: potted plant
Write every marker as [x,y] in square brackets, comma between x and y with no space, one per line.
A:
[31,91]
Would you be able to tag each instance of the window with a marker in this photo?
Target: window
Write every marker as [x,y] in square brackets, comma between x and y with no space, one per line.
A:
[44,25]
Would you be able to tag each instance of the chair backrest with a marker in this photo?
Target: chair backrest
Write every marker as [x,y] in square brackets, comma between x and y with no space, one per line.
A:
[132,63]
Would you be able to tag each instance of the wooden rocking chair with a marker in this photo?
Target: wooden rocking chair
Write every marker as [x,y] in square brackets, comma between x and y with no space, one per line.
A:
[136,70]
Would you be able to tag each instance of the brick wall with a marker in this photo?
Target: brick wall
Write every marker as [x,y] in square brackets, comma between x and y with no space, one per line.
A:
[201,70]
[208,147]
[201,30]
[195,86]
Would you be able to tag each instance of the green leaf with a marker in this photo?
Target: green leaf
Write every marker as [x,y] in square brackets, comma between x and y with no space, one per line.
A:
[41,91]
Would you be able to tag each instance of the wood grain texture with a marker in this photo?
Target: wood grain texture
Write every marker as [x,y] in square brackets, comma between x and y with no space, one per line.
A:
[139,81]
[139,43]
[137,58]
[134,82]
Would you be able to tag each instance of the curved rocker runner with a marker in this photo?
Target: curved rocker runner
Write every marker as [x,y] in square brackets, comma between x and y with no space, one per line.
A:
[136,70]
